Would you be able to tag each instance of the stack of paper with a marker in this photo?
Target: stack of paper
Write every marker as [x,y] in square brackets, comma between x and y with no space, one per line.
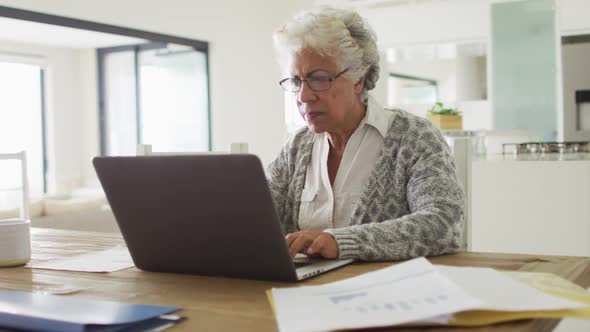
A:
[413,293]
[109,260]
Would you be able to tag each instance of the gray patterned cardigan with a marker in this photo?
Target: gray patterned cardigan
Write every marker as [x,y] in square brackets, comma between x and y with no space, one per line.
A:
[412,204]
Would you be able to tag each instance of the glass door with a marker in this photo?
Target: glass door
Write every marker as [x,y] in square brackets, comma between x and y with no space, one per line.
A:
[120,90]
[173,99]
[21,128]
[153,94]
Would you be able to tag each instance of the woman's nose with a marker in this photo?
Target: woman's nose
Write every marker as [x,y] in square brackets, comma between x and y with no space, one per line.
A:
[306,94]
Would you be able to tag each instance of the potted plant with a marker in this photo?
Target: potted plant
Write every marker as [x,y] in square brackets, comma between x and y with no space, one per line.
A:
[445,118]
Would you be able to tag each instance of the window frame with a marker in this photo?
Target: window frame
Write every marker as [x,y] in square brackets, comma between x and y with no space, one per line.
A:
[199,45]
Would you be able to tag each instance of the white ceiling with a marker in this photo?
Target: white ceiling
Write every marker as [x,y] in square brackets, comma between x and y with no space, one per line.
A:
[58,36]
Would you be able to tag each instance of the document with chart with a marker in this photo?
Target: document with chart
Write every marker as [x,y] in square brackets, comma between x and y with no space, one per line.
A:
[408,292]
[411,293]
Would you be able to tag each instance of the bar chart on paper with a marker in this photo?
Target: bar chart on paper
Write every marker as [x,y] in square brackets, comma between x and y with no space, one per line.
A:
[412,292]
[417,293]
[362,304]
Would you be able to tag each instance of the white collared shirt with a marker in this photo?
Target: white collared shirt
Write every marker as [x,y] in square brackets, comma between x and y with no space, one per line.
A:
[324,207]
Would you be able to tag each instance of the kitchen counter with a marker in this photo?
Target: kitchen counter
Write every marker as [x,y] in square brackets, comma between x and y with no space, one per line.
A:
[536,157]
[534,204]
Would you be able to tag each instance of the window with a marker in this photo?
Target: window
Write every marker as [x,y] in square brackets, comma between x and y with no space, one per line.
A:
[154,94]
[21,128]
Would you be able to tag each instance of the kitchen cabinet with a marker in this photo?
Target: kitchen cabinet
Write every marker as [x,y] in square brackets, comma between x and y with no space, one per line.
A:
[534,206]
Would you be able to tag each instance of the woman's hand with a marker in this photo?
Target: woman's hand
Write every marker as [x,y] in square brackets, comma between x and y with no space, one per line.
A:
[312,244]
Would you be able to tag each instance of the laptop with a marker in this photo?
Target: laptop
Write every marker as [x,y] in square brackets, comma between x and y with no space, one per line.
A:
[202,214]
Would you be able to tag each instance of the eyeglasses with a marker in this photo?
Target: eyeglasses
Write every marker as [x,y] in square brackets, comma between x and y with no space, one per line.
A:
[319,81]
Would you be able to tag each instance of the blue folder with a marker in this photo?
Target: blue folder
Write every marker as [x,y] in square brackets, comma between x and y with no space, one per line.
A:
[41,312]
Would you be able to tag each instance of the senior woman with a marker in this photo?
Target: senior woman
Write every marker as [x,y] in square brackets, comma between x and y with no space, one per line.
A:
[358,181]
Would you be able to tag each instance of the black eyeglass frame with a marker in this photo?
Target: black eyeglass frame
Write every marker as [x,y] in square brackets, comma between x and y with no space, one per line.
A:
[330,79]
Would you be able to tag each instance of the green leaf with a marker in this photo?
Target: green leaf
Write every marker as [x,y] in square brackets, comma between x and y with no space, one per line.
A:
[438,108]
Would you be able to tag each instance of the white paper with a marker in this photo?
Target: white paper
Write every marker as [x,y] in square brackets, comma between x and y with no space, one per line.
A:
[110,260]
[408,292]
[499,291]
[411,293]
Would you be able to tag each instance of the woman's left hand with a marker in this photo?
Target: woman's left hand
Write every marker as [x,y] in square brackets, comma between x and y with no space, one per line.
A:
[312,244]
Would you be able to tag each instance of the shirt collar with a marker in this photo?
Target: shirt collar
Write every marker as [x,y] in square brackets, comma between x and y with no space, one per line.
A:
[376,116]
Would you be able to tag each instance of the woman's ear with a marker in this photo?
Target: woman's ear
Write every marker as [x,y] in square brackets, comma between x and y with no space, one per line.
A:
[358,86]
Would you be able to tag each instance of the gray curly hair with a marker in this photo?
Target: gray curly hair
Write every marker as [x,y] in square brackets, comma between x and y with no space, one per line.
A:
[340,33]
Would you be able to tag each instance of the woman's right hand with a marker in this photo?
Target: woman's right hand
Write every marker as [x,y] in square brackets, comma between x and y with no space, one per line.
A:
[312,243]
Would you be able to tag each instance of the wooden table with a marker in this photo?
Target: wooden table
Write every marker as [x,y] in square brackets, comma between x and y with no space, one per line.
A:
[225,304]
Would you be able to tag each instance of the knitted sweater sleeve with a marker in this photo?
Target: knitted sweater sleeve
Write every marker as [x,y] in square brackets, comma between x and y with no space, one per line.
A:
[278,176]
[436,204]
[283,179]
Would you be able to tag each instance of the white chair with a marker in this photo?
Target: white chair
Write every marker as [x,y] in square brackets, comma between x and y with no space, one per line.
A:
[22,156]
[146,150]
[461,147]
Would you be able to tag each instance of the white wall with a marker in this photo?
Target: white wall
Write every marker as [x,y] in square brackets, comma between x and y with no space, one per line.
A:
[451,20]
[246,101]
[573,17]
[430,22]
[88,75]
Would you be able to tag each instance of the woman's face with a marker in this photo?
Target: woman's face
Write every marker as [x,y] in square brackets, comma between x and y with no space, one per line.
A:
[331,110]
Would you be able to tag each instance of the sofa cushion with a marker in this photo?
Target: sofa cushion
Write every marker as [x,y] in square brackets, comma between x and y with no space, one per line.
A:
[55,206]
[36,210]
